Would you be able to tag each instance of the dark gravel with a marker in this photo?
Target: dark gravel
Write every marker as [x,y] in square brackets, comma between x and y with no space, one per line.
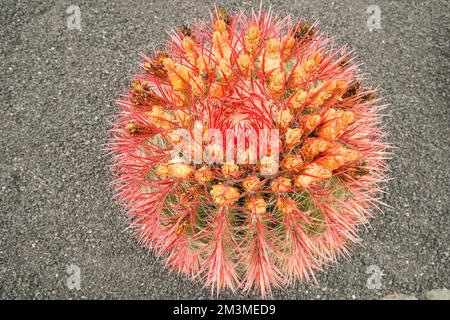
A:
[57,87]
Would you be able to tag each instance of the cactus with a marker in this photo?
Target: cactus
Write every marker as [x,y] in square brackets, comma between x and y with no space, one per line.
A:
[226,223]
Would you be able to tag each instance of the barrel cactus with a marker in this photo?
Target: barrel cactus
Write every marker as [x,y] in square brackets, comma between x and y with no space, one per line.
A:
[259,220]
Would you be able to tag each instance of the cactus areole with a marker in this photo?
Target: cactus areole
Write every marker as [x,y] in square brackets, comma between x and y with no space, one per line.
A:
[248,152]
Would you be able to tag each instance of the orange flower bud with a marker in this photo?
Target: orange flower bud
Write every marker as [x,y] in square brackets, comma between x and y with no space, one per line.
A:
[216,90]
[221,48]
[351,156]
[335,122]
[174,137]
[327,89]
[271,58]
[225,68]
[269,166]
[292,162]
[198,86]
[230,170]
[334,158]
[298,99]
[251,41]
[337,156]
[221,26]
[178,74]
[314,146]
[348,117]
[160,118]
[305,69]
[203,64]
[292,136]
[253,33]
[283,118]
[312,173]
[204,175]
[180,170]
[281,184]
[183,118]
[181,227]
[336,87]
[286,205]
[311,121]
[190,47]
[162,170]
[276,84]
[288,46]
[273,47]
[256,204]
[224,195]
[251,183]
[244,62]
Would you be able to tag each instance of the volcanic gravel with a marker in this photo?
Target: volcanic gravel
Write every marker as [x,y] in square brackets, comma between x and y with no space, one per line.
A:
[56,105]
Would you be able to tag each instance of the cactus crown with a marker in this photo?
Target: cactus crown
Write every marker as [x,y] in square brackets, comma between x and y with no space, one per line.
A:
[226,222]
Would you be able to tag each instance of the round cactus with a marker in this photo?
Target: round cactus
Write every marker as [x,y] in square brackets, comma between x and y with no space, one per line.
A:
[269,216]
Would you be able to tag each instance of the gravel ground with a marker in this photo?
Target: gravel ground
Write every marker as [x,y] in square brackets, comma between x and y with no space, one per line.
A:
[57,87]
